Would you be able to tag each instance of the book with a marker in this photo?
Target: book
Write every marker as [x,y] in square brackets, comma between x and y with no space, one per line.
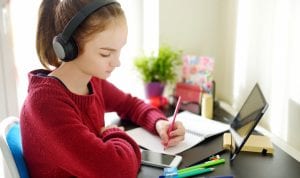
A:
[197,128]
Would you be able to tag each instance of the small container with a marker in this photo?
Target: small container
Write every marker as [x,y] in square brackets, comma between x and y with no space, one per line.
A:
[170,172]
[207,106]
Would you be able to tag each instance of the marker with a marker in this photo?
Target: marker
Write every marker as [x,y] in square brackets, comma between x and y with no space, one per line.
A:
[203,165]
[173,121]
[194,172]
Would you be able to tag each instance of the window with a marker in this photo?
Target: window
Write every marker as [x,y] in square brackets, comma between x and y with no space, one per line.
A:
[267,51]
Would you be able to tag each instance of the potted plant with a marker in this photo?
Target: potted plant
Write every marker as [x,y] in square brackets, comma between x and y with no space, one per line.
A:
[157,71]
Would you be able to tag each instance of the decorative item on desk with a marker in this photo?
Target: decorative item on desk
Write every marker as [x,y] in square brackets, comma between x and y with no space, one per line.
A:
[158,101]
[158,70]
[188,92]
[198,70]
[154,89]
[196,81]
[190,96]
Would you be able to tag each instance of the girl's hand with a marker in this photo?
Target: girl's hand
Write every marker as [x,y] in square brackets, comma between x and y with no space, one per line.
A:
[103,129]
[176,135]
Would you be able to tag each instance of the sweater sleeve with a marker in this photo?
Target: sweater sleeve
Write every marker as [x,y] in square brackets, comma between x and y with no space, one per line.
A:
[131,107]
[50,126]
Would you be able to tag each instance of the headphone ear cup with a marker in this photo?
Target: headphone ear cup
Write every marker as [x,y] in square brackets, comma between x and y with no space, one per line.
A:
[66,51]
[71,50]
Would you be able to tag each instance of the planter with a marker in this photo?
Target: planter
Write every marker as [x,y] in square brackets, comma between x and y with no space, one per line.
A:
[154,89]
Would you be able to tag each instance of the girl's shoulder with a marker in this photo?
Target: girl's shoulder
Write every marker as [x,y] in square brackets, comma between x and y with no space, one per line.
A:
[44,89]
[40,82]
[101,83]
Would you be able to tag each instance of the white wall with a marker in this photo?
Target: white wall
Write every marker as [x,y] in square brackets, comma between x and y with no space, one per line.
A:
[203,27]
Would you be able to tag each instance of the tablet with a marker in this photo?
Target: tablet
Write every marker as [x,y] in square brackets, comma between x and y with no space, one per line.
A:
[246,119]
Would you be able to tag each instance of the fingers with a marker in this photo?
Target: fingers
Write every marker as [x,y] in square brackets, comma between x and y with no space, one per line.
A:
[175,140]
[176,135]
[178,130]
[121,128]
[115,126]
[164,137]
[111,126]
[162,130]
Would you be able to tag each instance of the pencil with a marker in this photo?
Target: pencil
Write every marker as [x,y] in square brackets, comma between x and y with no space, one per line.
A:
[173,120]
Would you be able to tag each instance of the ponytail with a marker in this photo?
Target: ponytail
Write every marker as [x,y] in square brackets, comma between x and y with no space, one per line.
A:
[46,32]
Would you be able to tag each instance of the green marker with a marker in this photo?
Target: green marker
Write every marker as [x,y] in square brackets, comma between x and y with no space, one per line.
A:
[194,172]
[203,165]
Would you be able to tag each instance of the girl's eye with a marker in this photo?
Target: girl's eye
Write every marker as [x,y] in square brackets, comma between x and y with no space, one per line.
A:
[105,55]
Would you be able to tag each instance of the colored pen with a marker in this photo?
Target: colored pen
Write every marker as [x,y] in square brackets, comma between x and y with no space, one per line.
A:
[203,165]
[194,172]
[229,176]
[173,121]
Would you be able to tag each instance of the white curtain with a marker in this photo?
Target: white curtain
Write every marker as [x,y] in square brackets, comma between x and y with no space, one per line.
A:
[8,99]
[268,52]
[24,23]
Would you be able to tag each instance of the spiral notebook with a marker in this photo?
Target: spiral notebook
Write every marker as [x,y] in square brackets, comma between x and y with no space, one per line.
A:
[197,128]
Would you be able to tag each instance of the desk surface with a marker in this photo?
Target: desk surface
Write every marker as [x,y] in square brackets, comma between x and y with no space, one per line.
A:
[245,165]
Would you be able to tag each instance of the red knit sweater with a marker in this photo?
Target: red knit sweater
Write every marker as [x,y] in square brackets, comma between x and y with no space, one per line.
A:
[60,130]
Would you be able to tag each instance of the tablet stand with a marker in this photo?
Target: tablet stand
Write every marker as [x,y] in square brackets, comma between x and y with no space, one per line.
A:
[255,143]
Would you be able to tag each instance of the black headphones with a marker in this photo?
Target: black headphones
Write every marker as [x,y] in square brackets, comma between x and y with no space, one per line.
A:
[64,45]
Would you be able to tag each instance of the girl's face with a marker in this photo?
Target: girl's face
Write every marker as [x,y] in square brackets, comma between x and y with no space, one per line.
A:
[101,53]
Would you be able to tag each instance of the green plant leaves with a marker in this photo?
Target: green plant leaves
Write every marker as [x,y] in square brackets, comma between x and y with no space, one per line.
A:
[161,68]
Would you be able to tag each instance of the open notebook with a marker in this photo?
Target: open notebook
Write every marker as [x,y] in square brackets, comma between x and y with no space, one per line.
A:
[197,129]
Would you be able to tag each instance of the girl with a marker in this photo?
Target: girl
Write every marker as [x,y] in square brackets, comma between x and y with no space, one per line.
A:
[62,119]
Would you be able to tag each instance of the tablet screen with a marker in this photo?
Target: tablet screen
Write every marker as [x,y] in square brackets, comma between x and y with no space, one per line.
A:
[247,118]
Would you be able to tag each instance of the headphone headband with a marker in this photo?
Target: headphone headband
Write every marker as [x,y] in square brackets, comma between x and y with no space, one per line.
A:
[64,45]
[81,15]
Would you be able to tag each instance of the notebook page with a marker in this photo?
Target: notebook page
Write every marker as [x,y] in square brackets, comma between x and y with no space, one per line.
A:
[153,142]
[197,129]
[201,126]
